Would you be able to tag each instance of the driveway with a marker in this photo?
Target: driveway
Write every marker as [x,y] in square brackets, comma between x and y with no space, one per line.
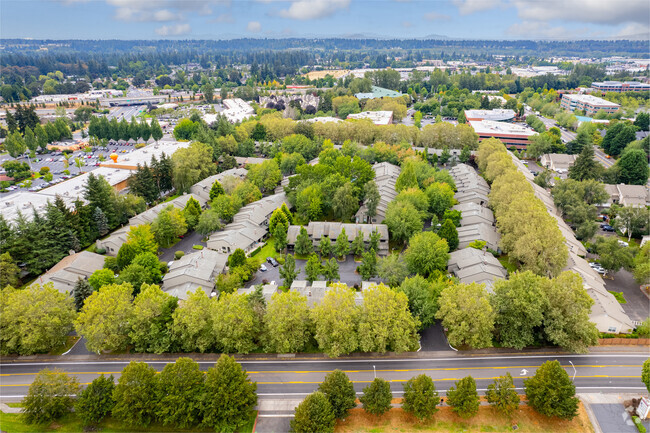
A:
[346,272]
[638,305]
[433,339]
[184,245]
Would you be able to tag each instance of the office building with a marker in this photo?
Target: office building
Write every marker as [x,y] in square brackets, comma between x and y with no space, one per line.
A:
[617,86]
[588,103]
[510,134]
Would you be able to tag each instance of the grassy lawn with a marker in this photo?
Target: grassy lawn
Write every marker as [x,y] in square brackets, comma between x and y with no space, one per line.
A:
[72,339]
[619,296]
[505,262]
[445,421]
[12,423]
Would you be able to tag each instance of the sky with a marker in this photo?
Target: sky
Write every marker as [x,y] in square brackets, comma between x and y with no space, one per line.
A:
[227,19]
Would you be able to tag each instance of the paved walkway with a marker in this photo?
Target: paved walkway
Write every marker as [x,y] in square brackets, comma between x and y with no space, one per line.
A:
[185,245]
[8,409]
[607,413]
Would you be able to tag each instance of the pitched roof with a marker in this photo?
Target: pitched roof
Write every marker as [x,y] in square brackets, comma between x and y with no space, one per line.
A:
[472,265]
[65,274]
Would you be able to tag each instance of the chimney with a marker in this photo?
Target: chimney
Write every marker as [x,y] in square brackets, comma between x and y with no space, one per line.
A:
[309,294]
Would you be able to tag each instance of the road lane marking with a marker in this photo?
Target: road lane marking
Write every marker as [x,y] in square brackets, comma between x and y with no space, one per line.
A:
[355,371]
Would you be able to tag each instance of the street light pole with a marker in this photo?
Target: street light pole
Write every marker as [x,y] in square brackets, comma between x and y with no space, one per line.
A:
[574,371]
[375,370]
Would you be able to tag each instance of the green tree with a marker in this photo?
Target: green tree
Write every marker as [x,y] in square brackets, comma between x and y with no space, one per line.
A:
[35,319]
[377,397]
[520,303]
[330,270]
[266,176]
[336,320]
[342,245]
[216,190]
[96,401]
[101,278]
[105,318]
[192,323]
[392,269]
[441,198]
[82,289]
[641,265]
[466,312]
[49,396]
[152,319]
[403,220]
[237,258]
[30,140]
[314,414]
[645,373]
[288,270]
[449,233]
[278,217]
[9,271]
[209,222]
[235,324]
[226,207]
[385,322]
[585,166]
[502,396]
[313,268]
[191,165]
[156,130]
[358,245]
[613,256]
[463,397]
[325,247]
[303,245]
[368,267]
[551,392]
[420,397]
[407,178]
[192,212]
[287,324]
[339,390]
[135,395]
[423,297]
[180,391]
[632,220]
[125,256]
[465,154]
[426,254]
[372,198]
[229,397]
[168,225]
[280,238]
[633,166]
[345,203]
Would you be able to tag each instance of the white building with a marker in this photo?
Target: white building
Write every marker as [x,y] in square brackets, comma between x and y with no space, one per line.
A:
[377,117]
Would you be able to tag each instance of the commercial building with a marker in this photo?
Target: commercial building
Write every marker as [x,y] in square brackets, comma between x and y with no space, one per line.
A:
[378,93]
[192,272]
[237,110]
[64,275]
[588,103]
[132,100]
[130,161]
[377,117]
[318,230]
[25,203]
[617,86]
[510,134]
[499,115]
[386,175]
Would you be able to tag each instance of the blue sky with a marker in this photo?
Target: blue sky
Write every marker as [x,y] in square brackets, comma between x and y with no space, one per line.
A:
[224,19]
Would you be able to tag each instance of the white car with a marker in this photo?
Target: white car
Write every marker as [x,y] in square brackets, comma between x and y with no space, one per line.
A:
[623,243]
[263,268]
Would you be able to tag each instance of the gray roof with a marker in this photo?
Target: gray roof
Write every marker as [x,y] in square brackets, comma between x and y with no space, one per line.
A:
[194,270]
[386,175]
[65,274]
[472,265]
[482,232]
[473,213]
[202,188]
[148,216]
[319,229]
[258,212]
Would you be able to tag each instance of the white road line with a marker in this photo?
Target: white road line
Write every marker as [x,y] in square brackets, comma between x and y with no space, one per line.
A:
[312,361]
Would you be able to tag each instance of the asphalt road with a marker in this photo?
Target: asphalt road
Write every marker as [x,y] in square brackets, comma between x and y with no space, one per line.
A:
[126,112]
[287,378]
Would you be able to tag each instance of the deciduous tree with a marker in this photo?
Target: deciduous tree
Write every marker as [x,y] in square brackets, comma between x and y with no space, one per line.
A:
[193,327]
[336,320]
[392,269]
[135,395]
[96,401]
[314,414]
[463,397]
[50,396]
[501,395]
[235,324]
[426,254]
[551,392]
[180,390]
[287,324]
[420,397]
[377,397]
[339,390]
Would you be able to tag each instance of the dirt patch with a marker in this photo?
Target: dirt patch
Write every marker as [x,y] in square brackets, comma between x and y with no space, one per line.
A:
[487,420]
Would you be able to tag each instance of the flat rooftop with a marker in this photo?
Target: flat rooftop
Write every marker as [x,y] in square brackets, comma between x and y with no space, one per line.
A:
[590,99]
[25,202]
[130,161]
[499,128]
[497,115]
[377,117]
[74,187]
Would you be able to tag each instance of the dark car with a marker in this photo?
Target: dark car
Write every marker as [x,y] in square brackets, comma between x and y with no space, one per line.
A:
[607,228]
[272,262]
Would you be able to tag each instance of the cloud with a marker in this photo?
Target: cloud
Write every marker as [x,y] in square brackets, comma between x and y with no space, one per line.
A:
[254,26]
[174,30]
[313,9]
[588,11]
[635,31]
[435,16]
[223,18]
[407,24]
[160,10]
[466,7]
[538,30]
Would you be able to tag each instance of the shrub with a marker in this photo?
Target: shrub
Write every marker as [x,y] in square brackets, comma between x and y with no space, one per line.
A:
[140,145]
[100,250]
[255,251]
[178,255]
[197,247]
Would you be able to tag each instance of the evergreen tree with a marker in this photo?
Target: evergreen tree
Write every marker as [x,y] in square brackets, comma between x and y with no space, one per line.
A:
[339,390]
[303,244]
[325,247]
[585,166]
[465,155]
[9,271]
[287,213]
[420,397]
[192,212]
[216,190]
[156,130]
[280,238]
[101,223]
[368,267]
[313,268]
[551,392]
[314,414]
[375,237]
[463,397]
[377,397]
[96,401]
[82,289]
[501,394]
[330,270]
[358,245]
[449,233]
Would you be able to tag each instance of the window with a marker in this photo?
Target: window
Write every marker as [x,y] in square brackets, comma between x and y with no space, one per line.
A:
[612,329]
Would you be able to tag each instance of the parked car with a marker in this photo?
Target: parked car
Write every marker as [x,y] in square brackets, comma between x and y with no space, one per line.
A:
[607,228]
[623,243]
[272,262]
[263,268]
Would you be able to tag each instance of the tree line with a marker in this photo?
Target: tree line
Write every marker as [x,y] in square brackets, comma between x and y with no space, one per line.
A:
[549,391]
[104,129]
[180,396]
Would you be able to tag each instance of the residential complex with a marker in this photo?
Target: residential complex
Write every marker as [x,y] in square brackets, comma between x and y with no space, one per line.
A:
[588,103]
[386,175]
[318,230]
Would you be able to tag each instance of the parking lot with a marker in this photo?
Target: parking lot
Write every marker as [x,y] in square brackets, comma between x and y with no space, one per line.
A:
[56,163]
